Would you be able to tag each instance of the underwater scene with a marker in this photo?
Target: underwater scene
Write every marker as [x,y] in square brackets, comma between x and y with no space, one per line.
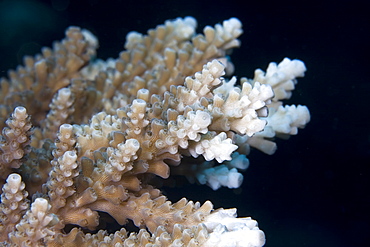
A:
[184,123]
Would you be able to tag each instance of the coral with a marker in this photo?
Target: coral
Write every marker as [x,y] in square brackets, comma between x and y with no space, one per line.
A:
[85,138]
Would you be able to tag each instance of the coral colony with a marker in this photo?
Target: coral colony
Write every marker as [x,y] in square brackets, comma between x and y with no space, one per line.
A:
[82,137]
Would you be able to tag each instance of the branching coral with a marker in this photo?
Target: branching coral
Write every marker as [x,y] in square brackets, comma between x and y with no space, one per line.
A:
[86,137]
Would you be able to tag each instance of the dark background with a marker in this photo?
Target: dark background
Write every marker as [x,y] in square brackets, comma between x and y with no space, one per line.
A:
[314,190]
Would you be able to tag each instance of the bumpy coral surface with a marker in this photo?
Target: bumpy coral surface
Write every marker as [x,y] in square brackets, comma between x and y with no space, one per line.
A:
[82,139]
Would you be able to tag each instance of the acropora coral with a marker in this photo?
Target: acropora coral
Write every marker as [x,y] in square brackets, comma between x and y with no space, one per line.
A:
[82,137]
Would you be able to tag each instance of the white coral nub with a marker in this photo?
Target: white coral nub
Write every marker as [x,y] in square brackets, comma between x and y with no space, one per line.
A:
[219,147]
[287,119]
[124,153]
[185,28]
[218,176]
[14,183]
[281,77]
[228,230]
[196,123]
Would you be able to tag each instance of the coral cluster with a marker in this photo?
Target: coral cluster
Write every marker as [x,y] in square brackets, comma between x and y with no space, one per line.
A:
[84,138]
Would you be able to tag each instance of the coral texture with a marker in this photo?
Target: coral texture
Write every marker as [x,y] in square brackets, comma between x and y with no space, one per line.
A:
[84,138]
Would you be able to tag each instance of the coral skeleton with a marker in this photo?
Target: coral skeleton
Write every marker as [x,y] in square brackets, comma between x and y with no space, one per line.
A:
[84,140]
